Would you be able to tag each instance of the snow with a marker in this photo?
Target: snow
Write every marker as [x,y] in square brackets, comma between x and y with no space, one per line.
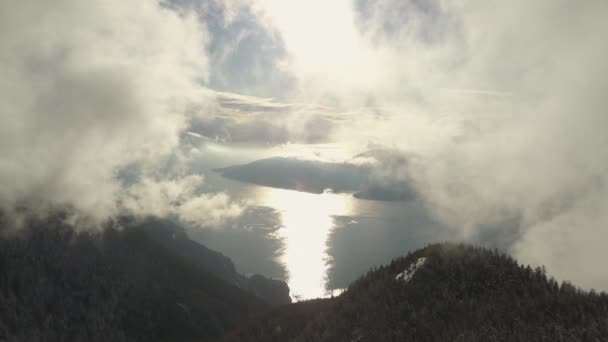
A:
[409,272]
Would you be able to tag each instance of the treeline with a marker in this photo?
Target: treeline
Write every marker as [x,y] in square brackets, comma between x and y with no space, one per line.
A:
[147,282]
[461,293]
[57,284]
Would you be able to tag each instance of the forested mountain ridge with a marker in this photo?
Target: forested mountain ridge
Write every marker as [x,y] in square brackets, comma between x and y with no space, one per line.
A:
[174,237]
[456,293]
[57,284]
[148,282]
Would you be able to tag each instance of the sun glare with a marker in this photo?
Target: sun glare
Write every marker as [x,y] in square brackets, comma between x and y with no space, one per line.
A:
[320,35]
[307,221]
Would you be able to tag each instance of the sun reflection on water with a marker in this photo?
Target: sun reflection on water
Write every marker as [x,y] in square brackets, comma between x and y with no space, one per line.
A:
[307,220]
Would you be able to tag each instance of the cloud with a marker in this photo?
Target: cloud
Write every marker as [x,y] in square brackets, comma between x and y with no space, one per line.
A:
[91,88]
[240,118]
[571,241]
[501,103]
[181,198]
[533,155]
[245,56]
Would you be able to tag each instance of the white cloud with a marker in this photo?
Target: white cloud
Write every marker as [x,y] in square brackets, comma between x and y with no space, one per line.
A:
[502,103]
[91,87]
[180,197]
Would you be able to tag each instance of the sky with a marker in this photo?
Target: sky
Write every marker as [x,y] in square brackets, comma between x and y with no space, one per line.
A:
[500,105]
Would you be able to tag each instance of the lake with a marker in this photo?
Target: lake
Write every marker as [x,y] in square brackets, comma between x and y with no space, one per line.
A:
[317,243]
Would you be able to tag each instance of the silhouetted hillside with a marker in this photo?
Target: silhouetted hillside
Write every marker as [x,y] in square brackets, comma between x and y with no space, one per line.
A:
[121,285]
[443,293]
[146,282]
[174,238]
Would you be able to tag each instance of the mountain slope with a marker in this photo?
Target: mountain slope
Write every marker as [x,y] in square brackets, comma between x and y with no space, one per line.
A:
[456,293]
[119,285]
[173,237]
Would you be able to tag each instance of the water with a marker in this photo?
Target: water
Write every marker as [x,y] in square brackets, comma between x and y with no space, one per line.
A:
[317,243]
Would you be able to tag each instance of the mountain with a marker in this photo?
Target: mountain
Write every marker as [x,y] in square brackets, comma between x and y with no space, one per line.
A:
[146,281]
[300,174]
[174,237]
[316,176]
[126,283]
[444,292]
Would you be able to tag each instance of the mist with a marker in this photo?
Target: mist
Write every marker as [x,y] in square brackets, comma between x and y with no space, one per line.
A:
[498,108]
[500,104]
[90,90]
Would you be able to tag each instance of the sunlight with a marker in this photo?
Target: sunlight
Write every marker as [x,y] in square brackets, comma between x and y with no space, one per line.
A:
[321,35]
[307,221]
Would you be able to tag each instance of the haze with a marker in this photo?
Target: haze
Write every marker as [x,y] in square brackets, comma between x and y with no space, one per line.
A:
[494,113]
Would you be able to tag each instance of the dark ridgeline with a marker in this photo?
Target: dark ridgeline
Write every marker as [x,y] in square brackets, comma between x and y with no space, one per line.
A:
[149,282]
[173,237]
[355,176]
[120,285]
[460,293]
